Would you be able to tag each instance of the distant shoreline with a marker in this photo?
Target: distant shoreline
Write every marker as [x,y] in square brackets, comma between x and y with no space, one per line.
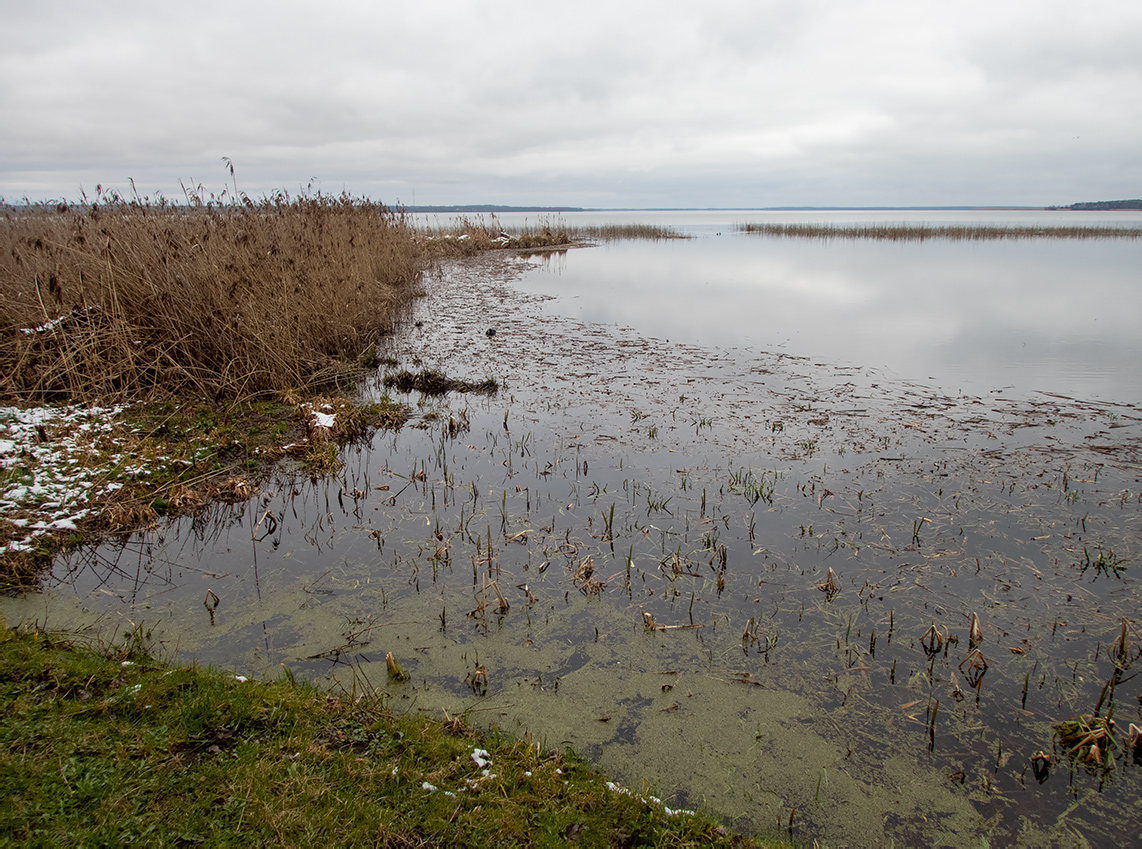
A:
[1103,206]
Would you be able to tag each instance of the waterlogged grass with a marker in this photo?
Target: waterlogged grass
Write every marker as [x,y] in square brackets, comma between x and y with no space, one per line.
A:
[434,382]
[116,747]
[75,475]
[922,232]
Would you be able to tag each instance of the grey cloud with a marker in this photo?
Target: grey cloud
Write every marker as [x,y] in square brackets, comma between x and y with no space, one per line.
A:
[663,104]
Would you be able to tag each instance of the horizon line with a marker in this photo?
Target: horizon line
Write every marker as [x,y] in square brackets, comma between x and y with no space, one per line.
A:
[485,207]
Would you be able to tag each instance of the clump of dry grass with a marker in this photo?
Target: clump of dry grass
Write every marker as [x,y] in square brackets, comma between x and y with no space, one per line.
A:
[132,299]
[922,232]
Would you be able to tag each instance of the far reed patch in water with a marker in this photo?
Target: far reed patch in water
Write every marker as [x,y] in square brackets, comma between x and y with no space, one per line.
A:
[922,232]
[612,232]
[468,236]
[433,382]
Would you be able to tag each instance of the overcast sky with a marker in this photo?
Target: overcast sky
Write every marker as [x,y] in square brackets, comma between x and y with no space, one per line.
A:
[710,103]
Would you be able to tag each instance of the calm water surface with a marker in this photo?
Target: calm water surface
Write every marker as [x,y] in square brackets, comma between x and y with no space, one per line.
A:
[1023,316]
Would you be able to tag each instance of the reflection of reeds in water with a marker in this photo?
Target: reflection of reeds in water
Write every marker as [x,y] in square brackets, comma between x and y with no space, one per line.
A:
[951,232]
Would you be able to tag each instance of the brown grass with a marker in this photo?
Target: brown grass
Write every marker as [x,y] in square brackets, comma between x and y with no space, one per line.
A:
[135,299]
[921,232]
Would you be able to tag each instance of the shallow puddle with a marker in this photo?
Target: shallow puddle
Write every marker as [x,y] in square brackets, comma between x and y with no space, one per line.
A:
[741,580]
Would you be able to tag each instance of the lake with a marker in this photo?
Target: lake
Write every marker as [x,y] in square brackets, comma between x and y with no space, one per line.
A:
[1055,315]
[727,529]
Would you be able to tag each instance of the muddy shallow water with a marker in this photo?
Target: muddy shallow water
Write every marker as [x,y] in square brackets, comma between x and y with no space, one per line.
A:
[809,543]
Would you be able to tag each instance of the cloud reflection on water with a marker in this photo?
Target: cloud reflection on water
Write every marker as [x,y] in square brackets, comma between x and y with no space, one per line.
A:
[1049,315]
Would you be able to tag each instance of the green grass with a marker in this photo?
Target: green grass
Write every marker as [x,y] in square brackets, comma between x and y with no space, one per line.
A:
[1104,563]
[101,747]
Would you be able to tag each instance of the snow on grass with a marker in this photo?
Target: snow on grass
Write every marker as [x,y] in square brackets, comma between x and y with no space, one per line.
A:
[47,474]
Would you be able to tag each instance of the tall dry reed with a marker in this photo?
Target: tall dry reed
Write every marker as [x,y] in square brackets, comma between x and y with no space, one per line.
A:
[132,299]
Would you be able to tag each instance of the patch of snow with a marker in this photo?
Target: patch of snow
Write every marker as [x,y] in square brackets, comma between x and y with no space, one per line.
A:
[670,812]
[49,454]
[481,757]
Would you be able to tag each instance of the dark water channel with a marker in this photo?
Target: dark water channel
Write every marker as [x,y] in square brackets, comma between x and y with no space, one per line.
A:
[814,538]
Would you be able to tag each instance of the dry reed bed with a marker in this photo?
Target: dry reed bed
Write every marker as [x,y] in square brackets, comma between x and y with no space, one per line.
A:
[951,232]
[468,236]
[130,300]
[610,232]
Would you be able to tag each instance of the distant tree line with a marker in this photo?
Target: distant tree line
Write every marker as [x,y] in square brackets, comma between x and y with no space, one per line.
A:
[1136,203]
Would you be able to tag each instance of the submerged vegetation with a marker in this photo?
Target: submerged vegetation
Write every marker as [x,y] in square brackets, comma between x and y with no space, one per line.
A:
[116,747]
[922,232]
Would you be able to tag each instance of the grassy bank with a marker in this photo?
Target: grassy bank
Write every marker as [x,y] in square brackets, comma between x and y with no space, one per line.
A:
[116,747]
[922,232]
